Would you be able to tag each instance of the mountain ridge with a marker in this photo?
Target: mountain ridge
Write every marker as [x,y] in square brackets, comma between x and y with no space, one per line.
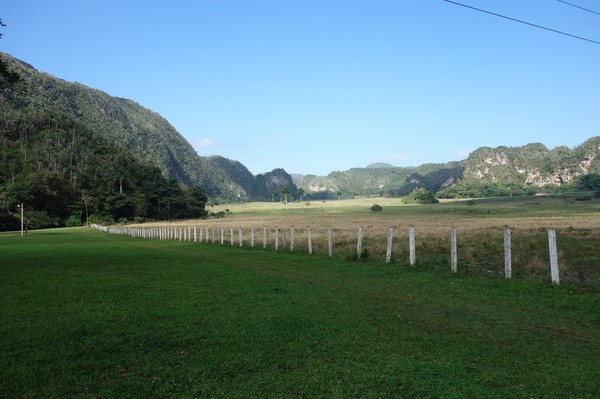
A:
[143,131]
[151,138]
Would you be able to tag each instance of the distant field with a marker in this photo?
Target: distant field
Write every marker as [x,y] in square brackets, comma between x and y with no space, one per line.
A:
[480,228]
[86,314]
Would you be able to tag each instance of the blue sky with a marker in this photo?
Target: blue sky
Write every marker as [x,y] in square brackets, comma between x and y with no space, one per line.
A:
[318,86]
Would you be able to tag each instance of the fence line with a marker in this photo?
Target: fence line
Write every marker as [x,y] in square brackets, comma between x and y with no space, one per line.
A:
[185,234]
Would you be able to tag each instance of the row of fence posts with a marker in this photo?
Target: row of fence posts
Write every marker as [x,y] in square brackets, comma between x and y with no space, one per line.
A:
[206,235]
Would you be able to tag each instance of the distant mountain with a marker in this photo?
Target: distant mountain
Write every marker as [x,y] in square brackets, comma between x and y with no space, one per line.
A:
[152,140]
[148,135]
[380,181]
[499,171]
[380,165]
[527,169]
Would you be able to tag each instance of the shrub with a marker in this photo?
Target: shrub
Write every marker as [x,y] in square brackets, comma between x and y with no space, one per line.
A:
[420,196]
[376,208]
[73,221]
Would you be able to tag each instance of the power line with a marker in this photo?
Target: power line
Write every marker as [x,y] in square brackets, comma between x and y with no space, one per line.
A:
[576,6]
[523,22]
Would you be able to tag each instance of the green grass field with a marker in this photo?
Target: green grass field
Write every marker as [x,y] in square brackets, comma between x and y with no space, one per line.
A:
[88,315]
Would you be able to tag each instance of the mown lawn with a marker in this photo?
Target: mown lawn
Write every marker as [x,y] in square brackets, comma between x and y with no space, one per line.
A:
[88,315]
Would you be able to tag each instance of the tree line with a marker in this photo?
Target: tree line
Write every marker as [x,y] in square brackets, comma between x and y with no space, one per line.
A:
[66,174]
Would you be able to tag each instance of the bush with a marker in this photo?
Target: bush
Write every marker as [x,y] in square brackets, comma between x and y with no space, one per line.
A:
[73,221]
[376,208]
[420,196]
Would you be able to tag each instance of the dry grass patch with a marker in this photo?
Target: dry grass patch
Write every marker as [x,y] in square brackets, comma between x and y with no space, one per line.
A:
[480,230]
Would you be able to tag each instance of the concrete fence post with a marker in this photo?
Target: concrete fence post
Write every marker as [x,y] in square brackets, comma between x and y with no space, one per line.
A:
[507,254]
[453,251]
[330,241]
[390,238]
[554,272]
[412,254]
[359,242]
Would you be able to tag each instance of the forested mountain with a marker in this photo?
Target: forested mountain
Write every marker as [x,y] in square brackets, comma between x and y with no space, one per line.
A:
[381,180]
[66,174]
[149,136]
[528,169]
[70,151]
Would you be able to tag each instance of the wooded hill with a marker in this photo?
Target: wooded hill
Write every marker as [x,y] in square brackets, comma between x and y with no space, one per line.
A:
[43,106]
[387,181]
[487,172]
[145,133]
[66,174]
[529,169]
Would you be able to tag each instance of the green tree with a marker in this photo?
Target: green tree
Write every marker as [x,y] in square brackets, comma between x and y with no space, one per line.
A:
[301,193]
[8,78]
[590,182]
[285,193]
[421,196]
[376,208]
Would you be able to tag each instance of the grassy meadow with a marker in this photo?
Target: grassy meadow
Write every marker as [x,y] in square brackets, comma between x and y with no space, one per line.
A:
[85,314]
[480,226]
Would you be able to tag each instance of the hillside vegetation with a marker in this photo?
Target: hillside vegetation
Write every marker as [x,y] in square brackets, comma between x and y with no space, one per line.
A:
[529,169]
[145,133]
[152,140]
[487,172]
[383,180]
[65,173]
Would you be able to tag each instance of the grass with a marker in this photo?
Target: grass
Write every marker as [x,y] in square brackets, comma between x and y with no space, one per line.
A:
[89,315]
[480,231]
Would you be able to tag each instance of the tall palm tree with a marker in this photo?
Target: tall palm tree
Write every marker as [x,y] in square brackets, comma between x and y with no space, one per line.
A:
[300,193]
[285,192]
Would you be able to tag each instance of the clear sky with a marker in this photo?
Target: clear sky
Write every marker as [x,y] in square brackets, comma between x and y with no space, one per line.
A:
[314,86]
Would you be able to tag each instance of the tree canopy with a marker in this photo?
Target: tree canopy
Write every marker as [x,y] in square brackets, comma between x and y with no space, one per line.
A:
[63,171]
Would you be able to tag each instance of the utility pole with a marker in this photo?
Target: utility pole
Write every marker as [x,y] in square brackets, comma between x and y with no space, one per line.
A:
[21,207]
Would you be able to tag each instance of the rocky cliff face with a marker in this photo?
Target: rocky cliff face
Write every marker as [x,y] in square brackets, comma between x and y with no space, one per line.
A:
[533,164]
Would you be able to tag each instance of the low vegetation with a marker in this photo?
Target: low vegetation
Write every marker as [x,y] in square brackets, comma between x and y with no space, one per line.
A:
[65,174]
[86,314]
[480,226]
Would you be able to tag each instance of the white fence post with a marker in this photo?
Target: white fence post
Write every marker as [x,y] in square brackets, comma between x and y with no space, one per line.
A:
[359,242]
[276,238]
[411,246]
[251,237]
[240,238]
[309,239]
[264,237]
[553,257]
[507,254]
[453,251]
[330,241]
[390,238]
[292,238]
